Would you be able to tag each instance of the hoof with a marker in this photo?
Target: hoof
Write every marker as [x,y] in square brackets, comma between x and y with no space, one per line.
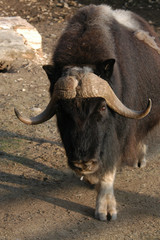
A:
[101,216]
[112,217]
[142,163]
[104,217]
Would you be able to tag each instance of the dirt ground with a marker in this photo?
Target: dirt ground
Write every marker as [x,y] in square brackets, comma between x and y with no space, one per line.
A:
[40,198]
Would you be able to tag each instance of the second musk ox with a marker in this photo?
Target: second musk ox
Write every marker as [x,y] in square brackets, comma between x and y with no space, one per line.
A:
[104,71]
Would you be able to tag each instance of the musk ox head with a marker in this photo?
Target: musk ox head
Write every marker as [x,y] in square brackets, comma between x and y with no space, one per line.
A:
[81,100]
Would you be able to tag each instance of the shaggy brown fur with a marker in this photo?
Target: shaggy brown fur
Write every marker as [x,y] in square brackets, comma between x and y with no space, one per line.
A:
[97,33]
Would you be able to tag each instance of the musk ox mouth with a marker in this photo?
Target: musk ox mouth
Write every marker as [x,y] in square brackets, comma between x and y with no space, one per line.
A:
[85,168]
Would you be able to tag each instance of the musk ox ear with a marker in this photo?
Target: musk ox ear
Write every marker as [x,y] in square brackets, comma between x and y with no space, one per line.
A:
[49,69]
[53,74]
[105,68]
[108,66]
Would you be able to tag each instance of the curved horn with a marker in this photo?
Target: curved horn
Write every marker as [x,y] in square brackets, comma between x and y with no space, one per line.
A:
[94,86]
[42,117]
[65,88]
[90,85]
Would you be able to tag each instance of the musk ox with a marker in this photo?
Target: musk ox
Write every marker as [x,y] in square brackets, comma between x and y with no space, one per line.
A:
[104,70]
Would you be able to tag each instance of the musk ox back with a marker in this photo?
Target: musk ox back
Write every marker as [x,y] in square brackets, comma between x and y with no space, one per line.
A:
[104,69]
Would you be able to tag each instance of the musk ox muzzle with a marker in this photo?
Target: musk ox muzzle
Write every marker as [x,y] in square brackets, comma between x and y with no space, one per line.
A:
[86,85]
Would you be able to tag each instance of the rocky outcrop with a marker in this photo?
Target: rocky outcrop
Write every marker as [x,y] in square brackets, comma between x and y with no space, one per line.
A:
[18,39]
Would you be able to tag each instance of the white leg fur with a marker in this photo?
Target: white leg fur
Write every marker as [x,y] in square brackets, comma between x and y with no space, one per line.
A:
[106,203]
[142,159]
[142,150]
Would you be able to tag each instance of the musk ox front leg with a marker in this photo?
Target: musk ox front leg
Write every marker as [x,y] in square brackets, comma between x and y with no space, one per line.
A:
[106,203]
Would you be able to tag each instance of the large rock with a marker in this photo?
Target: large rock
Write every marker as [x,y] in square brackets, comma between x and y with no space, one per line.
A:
[19,39]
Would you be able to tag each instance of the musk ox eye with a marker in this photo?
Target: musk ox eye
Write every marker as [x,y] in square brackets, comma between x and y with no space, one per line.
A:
[103,108]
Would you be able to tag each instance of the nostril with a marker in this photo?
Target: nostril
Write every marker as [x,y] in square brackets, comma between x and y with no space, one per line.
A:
[85,166]
[91,163]
[94,160]
[78,165]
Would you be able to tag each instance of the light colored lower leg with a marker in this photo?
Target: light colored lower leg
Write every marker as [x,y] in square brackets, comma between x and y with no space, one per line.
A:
[106,203]
[142,150]
[142,159]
